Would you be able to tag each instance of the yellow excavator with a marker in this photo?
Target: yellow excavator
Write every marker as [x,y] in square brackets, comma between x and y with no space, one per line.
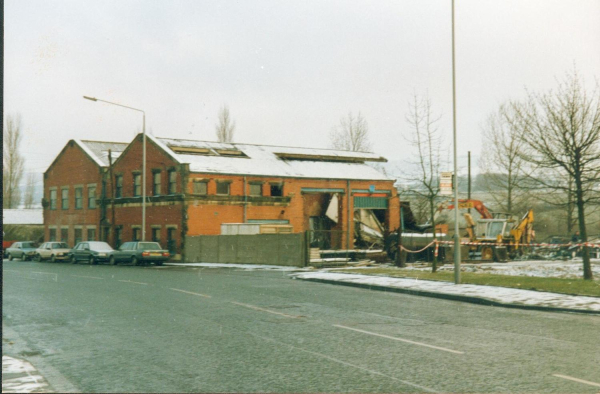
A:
[499,238]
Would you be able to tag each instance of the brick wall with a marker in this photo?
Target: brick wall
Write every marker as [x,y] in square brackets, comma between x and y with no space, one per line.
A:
[72,168]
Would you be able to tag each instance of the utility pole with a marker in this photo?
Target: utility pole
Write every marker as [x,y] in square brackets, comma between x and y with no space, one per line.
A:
[469,181]
[456,230]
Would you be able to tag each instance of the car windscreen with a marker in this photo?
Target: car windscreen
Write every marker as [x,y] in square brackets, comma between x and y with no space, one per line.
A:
[28,245]
[100,246]
[148,246]
[61,245]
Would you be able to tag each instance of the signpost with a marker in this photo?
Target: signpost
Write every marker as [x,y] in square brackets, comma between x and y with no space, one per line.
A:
[446,184]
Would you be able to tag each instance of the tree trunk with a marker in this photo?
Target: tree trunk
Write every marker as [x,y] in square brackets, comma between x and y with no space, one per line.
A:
[587,268]
[431,212]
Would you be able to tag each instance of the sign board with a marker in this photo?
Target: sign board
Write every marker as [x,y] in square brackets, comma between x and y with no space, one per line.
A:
[466,205]
[446,184]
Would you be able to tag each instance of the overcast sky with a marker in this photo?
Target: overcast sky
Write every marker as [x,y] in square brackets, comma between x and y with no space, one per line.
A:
[288,70]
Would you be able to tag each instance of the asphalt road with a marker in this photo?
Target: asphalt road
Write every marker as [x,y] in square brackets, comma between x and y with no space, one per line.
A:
[166,329]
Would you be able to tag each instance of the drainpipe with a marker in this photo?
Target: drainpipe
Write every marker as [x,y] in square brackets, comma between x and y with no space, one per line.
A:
[348,218]
[245,198]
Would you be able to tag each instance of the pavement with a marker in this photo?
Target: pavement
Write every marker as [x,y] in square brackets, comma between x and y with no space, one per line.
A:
[19,376]
[478,294]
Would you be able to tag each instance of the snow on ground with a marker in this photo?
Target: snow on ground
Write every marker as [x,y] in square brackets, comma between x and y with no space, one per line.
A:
[19,376]
[538,268]
[497,294]
[240,266]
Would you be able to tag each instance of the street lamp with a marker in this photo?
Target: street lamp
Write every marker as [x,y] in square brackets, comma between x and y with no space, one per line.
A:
[143,159]
[456,234]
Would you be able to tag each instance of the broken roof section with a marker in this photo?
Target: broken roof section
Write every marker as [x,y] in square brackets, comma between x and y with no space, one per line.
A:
[272,161]
[98,150]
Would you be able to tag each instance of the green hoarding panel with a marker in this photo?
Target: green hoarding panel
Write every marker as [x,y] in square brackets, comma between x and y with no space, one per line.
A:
[370,202]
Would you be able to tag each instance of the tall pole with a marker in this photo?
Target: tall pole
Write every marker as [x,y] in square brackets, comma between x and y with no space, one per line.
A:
[143,158]
[456,230]
[144,177]
[469,180]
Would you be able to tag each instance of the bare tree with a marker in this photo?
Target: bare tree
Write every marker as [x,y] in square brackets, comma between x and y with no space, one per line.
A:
[351,134]
[12,161]
[562,128]
[425,137]
[226,126]
[29,191]
[502,164]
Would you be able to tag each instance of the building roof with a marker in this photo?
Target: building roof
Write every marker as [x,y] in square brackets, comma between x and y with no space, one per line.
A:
[273,161]
[23,216]
[98,150]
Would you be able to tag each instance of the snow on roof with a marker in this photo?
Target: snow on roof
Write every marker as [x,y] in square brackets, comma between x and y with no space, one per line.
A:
[23,216]
[98,150]
[276,161]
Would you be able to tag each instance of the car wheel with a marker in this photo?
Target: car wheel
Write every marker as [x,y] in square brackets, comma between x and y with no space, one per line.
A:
[53,258]
[25,258]
[159,263]
[135,261]
[37,257]
[112,260]
[92,260]
[10,257]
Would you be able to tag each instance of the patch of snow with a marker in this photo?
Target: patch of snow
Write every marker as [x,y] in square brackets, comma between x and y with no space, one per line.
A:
[534,268]
[497,294]
[19,376]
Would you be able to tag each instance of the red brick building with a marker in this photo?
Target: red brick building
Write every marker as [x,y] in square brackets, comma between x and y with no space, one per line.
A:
[73,188]
[194,186]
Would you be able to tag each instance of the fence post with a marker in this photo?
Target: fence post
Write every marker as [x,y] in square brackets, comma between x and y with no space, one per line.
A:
[306,248]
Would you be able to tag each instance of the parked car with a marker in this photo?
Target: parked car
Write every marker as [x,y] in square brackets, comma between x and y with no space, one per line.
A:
[21,250]
[52,250]
[91,251]
[140,252]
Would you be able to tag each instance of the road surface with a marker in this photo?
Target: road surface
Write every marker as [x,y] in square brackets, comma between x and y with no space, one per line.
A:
[170,329]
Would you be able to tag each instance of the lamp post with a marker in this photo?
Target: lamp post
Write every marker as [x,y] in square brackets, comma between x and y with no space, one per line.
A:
[143,158]
[456,230]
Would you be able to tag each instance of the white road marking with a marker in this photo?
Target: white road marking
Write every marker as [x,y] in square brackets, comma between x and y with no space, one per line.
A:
[577,380]
[348,364]
[192,293]
[400,339]
[130,281]
[256,308]
[90,277]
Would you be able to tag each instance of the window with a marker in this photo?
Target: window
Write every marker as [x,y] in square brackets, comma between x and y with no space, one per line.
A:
[256,189]
[64,235]
[53,199]
[137,234]
[91,234]
[156,234]
[118,236]
[65,199]
[172,182]
[156,186]
[52,235]
[119,186]
[201,188]
[78,235]
[78,197]
[223,188]
[137,185]
[92,197]
[277,189]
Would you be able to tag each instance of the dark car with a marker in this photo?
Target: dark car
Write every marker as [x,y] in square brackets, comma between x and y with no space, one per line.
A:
[91,251]
[140,252]
[21,250]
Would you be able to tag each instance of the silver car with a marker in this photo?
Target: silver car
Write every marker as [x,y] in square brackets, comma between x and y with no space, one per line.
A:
[52,250]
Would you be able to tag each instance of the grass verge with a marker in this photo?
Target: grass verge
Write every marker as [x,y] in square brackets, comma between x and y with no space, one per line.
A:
[553,285]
